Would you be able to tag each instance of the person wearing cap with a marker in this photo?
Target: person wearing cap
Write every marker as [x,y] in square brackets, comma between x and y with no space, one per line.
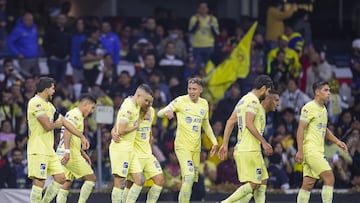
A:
[291,57]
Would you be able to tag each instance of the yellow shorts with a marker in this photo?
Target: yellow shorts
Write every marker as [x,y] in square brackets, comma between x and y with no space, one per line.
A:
[250,166]
[150,167]
[189,162]
[314,164]
[77,167]
[41,166]
[124,163]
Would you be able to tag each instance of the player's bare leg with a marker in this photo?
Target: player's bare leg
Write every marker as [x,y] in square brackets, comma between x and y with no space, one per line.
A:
[305,190]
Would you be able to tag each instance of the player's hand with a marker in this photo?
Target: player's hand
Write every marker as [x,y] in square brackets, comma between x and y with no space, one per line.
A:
[84,143]
[213,150]
[147,114]
[267,148]
[299,157]
[65,159]
[86,157]
[137,124]
[223,151]
[58,124]
[343,146]
[114,135]
[169,114]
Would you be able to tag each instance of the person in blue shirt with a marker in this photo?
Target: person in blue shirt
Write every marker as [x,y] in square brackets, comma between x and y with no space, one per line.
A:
[23,44]
[110,41]
[77,38]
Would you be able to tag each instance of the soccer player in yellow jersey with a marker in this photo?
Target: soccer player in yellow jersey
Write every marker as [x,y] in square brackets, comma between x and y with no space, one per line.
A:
[192,114]
[42,159]
[75,160]
[149,164]
[311,133]
[250,117]
[121,151]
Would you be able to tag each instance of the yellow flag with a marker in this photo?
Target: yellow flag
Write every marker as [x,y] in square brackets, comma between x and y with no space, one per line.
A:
[234,67]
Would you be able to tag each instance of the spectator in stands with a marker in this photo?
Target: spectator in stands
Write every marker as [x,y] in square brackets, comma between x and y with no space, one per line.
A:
[8,109]
[17,157]
[77,38]
[180,46]
[296,41]
[3,21]
[163,90]
[227,173]
[7,174]
[204,28]
[125,35]
[123,85]
[343,127]
[143,75]
[149,32]
[107,73]
[7,137]
[110,42]
[276,14]
[291,57]
[91,54]
[29,88]
[353,143]
[207,169]
[217,127]
[293,97]
[339,162]
[23,44]
[172,65]
[279,68]
[336,105]
[355,68]
[279,168]
[172,174]
[138,51]
[10,75]
[226,105]
[57,48]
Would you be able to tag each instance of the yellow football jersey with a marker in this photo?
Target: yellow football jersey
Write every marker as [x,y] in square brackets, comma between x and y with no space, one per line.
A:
[314,134]
[40,141]
[76,118]
[249,103]
[129,112]
[190,116]
[142,140]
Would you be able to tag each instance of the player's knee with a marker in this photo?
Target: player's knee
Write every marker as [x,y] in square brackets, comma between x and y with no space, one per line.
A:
[329,179]
[140,180]
[123,183]
[60,179]
[159,180]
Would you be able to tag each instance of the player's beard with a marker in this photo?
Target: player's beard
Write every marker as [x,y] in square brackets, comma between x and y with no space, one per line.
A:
[262,97]
[49,97]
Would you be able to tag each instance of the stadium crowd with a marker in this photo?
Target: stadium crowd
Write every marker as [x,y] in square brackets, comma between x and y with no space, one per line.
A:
[110,57]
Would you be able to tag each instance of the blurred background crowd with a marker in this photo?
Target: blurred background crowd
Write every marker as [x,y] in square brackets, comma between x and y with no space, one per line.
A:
[111,56]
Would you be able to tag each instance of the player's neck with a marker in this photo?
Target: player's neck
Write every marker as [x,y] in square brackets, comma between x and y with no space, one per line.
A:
[256,92]
[319,101]
[43,95]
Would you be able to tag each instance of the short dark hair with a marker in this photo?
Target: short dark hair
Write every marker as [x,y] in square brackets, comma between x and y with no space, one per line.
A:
[196,80]
[146,88]
[319,84]
[16,149]
[7,60]
[43,83]
[262,80]
[88,97]
[274,91]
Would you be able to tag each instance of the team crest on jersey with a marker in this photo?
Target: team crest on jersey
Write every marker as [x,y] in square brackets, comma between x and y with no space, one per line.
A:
[38,105]
[156,164]
[187,109]
[128,112]
[254,102]
[202,112]
[188,119]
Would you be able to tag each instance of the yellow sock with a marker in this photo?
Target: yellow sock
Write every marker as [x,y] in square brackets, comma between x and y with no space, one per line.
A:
[241,192]
[36,193]
[51,192]
[153,194]
[116,195]
[246,199]
[186,189]
[62,196]
[85,191]
[303,196]
[133,193]
[125,194]
[327,194]
[259,194]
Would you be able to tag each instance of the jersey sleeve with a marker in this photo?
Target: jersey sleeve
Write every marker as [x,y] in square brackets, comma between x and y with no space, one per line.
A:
[175,104]
[305,114]
[37,108]
[252,106]
[125,113]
